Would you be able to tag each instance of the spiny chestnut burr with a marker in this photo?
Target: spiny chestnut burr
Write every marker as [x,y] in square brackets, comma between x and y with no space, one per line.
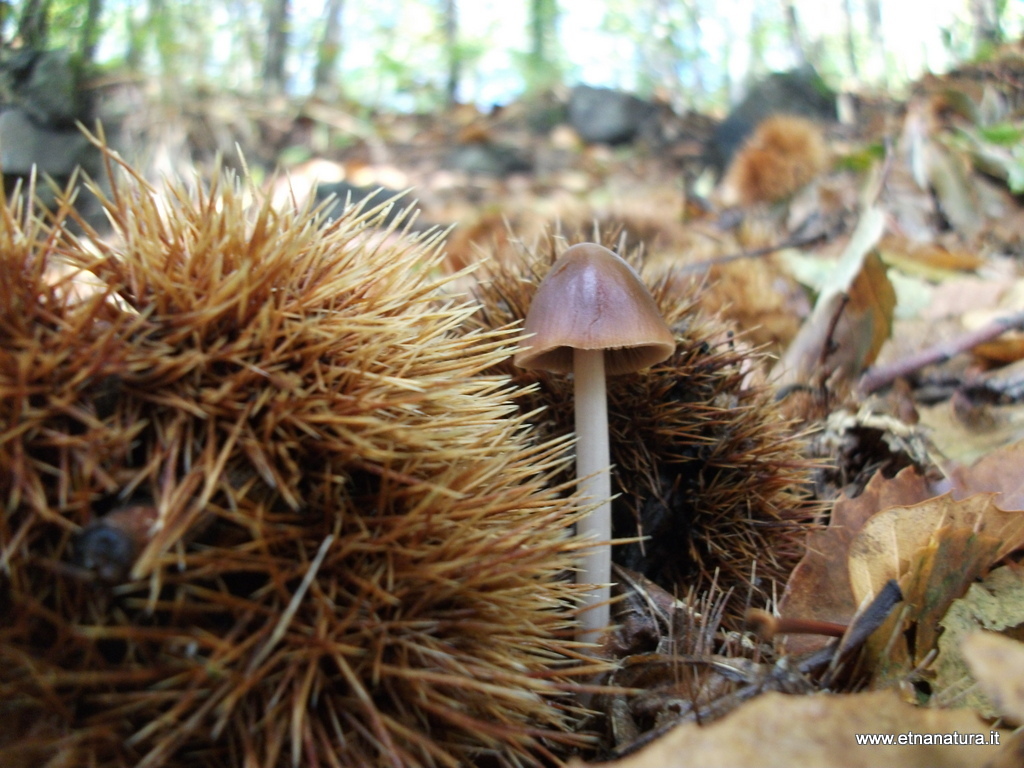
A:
[784,153]
[355,552]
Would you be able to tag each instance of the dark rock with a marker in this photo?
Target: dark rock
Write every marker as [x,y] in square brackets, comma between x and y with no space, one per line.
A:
[24,143]
[797,92]
[544,111]
[45,85]
[51,152]
[339,194]
[488,159]
[607,116]
[41,104]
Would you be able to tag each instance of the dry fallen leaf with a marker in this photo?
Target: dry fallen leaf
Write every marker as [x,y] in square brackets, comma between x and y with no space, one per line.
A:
[888,541]
[928,260]
[935,550]
[819,587]
[820,731]
[852,317]
[997,662]
[997,472]
[967,440]
[996,603]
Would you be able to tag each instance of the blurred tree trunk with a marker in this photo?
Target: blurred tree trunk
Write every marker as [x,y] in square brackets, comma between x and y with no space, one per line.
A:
[450,31]
[247,43]
[848,38]
[90,33]
[160,25]
[278,17]
[34,23]
[325,78]
[136,39]
[987,26]
[542,67]
[699,87]
[796,40]
[879,70]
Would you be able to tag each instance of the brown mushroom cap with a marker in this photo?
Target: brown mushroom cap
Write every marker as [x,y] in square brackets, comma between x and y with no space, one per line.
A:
[593,299]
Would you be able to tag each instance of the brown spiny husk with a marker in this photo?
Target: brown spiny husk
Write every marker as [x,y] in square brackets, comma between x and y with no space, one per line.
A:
[784,153]
[707,469]
[264,505]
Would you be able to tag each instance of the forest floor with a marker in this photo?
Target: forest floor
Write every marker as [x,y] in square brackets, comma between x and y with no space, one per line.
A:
[888,294]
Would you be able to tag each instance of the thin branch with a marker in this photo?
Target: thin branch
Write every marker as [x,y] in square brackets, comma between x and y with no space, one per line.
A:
[877,378]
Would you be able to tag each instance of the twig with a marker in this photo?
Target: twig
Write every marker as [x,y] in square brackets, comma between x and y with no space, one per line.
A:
[876,378]
[793,242]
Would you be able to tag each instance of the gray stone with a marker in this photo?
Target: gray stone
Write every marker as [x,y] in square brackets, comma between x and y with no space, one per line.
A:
[336,195]
[486,159]
[44,84]
[24,144]
[607,116]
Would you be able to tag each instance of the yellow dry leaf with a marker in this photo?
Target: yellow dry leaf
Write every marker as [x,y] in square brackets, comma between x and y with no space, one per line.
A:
[847,331]
[927,260]
[888,541]
[936,575]
[819,587]
[821,731]
[996,603]
[965,442]
[859,292]
[997,662]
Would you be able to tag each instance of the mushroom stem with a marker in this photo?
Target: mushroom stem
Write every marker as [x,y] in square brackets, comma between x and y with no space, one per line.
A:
[594,484]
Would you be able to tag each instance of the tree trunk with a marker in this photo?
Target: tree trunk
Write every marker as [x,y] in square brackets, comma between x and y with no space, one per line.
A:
[699,86]
[34,24]
[851,48]
[160,25]
[278,13]
[450,29]
[987,29]
[136,40]
[796,40]
[325,78]
[879,70]
[90,33]
[542,70]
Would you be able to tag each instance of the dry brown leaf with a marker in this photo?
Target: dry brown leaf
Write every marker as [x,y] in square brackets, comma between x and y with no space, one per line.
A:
[996,604]
[968,440]
[888,542]
[997,662]
[958,199]
[935,550]
[941,169]
[928,260]
[969,293]
[859,294]
[869,314]
[847,331]
[937,574]
[819,587]
[819,731]
[1008,348]
[998,472]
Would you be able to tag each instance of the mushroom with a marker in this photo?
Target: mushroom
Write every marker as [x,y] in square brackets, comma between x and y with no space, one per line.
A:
[592,315]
